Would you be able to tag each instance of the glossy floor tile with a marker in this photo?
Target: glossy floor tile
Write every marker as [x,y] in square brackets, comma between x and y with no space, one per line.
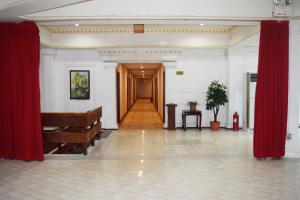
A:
[142,115]
[158,164]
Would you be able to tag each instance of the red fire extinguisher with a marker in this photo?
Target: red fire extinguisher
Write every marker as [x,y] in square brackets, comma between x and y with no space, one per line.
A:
[235,126]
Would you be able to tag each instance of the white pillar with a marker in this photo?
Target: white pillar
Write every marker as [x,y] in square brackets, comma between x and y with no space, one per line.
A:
[109,107]
[47,80]
[235,86]
[170,75]
[294,77]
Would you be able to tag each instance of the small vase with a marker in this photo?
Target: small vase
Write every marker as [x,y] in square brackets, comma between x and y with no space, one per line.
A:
[193,108]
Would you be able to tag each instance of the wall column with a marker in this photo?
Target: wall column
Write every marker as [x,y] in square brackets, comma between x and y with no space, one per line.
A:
[170,74]
[235,86]
[109,106]
[47,79]
[294,75]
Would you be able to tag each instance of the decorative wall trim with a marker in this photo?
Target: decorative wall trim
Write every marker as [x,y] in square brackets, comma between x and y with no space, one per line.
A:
[146,52]
[150,17]
[104,29]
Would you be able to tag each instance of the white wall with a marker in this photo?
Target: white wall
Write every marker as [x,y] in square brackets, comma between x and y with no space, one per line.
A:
[200,66]
[240,61]
[55,83]
[294,72]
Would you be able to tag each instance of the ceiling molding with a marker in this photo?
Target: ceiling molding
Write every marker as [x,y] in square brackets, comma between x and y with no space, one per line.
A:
[145,52]
[104,29]
[133,46]
[167,17]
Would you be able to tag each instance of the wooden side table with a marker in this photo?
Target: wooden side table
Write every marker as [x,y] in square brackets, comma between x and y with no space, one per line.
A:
[198,114]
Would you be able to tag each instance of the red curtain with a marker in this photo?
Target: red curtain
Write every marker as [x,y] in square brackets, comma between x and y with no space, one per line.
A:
[271,98]
[20,125]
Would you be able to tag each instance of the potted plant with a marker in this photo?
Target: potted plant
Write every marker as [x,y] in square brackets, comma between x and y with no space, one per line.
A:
[215,97]
[193,105]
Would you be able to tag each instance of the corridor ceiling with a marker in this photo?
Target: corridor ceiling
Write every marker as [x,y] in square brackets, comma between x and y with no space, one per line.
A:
[137,69]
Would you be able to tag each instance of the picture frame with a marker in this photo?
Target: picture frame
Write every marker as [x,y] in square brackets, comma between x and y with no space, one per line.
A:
[80,84]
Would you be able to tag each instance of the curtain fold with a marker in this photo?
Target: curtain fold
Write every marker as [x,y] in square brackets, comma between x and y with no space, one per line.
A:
[271,100]
[20,123]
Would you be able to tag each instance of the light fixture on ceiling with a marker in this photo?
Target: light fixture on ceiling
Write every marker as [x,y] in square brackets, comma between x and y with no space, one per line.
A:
[76,24]
[201,24]
[142,66]
[288,2]
[282,8]
[142,71]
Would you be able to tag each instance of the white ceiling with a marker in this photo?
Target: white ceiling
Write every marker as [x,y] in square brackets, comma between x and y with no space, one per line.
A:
[170,26]
[16,10]
[216,12]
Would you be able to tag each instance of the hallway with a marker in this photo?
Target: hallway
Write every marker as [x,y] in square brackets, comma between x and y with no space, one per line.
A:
[142,115]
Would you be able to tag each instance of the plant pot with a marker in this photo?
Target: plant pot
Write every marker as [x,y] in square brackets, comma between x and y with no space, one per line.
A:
[193,108]
[214,126]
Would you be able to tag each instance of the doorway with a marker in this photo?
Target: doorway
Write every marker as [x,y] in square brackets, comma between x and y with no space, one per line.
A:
[140,95]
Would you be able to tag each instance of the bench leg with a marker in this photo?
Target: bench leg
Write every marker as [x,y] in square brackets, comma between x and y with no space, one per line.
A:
[98,136]
[84,149]
[59,148]
[93,142]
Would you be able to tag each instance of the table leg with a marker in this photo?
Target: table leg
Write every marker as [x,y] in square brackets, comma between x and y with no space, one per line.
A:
[184,122]
[200,127]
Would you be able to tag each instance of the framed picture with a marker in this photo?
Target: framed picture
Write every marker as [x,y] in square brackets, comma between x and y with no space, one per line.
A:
[79,84]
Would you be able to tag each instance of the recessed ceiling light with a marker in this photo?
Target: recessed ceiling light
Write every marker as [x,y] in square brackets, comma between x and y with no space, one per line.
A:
[142,71]
[201,24]
[288,2]
[142,67]
[76,24]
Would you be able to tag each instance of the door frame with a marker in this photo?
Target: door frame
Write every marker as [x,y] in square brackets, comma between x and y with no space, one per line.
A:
[118,96]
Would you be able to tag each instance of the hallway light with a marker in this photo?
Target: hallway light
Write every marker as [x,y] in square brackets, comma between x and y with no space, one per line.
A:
[276,2]
[288,2]
[76,24]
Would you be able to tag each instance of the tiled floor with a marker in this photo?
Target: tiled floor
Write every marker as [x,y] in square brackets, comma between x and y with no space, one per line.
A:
[142,115]
[158,164]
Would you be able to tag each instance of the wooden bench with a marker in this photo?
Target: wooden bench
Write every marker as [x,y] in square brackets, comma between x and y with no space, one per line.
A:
[69,129]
